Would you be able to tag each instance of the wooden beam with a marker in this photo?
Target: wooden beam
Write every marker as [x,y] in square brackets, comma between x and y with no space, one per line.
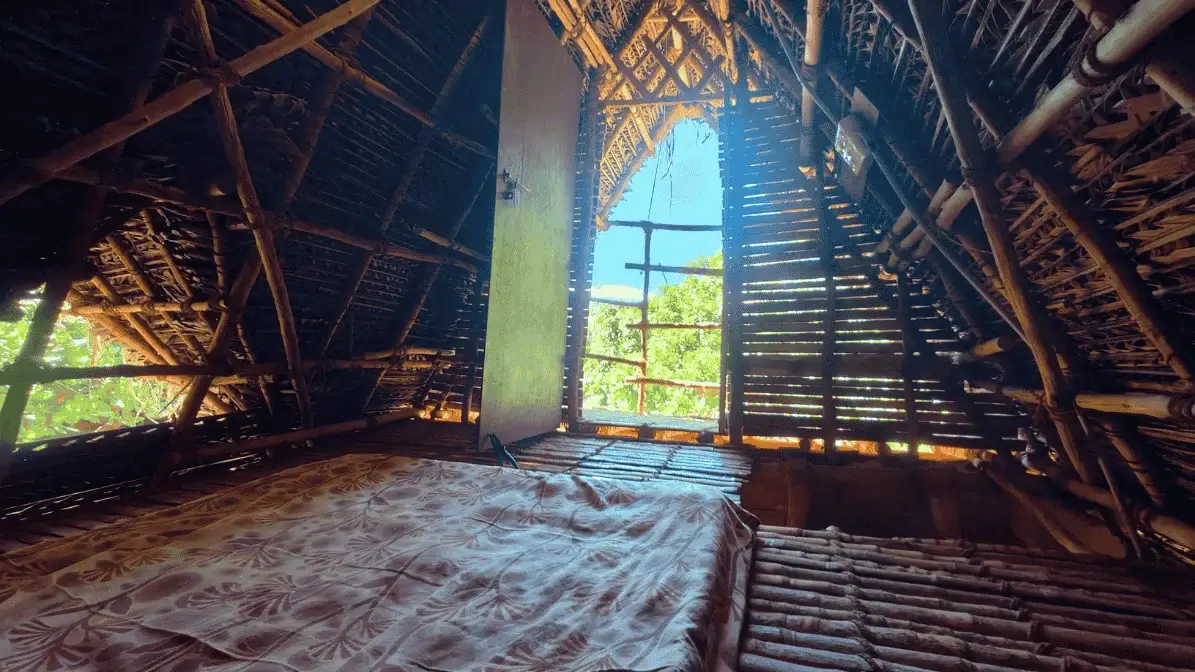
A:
[37,171]
[213,306]
[665,227]
[1178,406]
[643,317]
[263,235]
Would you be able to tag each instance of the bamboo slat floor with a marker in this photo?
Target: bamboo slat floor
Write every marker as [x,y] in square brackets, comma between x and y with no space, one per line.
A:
[827,600]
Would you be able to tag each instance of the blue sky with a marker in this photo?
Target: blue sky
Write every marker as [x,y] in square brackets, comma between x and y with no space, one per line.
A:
[680,184]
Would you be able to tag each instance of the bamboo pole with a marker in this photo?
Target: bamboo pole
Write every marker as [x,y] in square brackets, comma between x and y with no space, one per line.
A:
[574,394]
[669,325]
[666,382]
[1176,406]
[642,364]
[399,194]
[37,171]
[664,227]
[401,353]
[683,270]
[234,373]
[908,349]
[980,170]
[1124,440]
[637,363]
[267,14]
[259,444]
[211,306]
[263,235]
[733,127]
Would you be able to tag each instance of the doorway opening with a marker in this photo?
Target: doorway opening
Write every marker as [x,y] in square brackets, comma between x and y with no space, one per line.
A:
[654,336]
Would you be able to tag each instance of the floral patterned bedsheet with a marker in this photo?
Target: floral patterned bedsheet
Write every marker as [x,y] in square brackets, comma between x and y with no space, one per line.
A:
[373,562]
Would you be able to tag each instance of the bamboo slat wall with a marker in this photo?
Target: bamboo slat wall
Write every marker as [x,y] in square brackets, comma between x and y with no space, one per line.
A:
[785,308]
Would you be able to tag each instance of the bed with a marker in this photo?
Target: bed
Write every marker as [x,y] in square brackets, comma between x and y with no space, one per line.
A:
[393,563]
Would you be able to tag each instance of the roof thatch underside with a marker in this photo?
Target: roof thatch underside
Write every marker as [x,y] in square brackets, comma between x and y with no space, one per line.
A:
[376,173]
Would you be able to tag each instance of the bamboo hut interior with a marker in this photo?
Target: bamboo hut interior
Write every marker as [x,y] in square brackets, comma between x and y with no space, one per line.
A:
[956,424]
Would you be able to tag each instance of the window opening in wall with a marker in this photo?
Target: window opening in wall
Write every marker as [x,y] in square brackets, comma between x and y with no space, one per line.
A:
[90,400]
[654,336]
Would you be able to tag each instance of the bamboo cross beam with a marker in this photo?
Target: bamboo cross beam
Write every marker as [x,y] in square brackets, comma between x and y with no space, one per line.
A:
[1177,406]
[979,167]
[667,325]
[37,171]
[665,382]
[683,270]
[653,100]
[267,250]
[637,363]
[210,452]
[212,306]
[235,373]
[908,345]
[665,227]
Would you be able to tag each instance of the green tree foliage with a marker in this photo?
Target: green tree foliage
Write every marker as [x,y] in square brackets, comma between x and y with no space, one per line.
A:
[78,406]
[678,354]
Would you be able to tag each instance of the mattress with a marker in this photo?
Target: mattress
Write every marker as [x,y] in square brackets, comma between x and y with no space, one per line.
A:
[391,563]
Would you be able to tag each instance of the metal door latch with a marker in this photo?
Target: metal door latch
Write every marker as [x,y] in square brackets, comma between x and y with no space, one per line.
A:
[510,191]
